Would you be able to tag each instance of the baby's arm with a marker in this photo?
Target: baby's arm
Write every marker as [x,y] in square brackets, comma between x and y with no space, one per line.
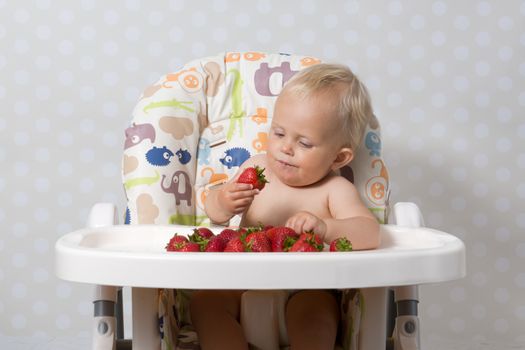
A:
[229,199]
[350,217]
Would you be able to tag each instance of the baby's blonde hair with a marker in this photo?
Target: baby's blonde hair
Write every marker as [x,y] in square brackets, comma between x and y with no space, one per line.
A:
[355,107]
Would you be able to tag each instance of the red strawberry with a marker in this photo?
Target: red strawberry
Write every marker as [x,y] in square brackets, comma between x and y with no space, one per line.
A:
[228,234]
[235,245]
[201,235]
[253,176]
[215,244]
[307,242]
[190,247]
[341,244]
[282,238]
[258,242]
[176,243]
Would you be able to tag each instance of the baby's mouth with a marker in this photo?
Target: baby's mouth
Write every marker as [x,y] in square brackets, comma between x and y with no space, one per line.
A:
[285,164]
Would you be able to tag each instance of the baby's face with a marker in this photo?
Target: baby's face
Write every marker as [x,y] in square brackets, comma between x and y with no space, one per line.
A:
[304,139]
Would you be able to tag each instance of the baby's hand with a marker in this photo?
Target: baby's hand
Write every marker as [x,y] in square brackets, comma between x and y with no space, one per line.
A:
[235,197]
[304,221]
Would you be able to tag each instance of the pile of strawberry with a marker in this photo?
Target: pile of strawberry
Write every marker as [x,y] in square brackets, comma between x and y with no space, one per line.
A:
[253,239]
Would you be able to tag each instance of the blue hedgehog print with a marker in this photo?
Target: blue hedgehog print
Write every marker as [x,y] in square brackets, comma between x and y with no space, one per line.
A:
[184,156]
[373,143]
[127,218]
[203,153]
[159,156]
[235,157]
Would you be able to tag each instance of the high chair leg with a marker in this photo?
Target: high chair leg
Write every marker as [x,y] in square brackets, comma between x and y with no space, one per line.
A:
[145,320]
[372,334]
[104,318]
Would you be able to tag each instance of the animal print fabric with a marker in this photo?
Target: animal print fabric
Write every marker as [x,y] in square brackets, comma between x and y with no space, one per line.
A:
[193,128]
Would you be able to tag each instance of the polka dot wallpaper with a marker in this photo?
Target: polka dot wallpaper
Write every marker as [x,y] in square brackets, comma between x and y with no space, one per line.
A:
[448,85]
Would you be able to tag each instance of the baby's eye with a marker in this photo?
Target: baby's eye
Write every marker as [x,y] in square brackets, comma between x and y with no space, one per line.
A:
[278,133]
[305,144]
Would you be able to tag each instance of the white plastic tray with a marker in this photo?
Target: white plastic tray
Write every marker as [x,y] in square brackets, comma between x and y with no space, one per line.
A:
[134,256]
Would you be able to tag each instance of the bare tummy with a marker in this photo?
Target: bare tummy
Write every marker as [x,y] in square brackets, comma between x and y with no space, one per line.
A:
[277,202]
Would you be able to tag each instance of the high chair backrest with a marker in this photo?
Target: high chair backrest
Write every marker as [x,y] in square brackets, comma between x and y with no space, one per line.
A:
[193,128]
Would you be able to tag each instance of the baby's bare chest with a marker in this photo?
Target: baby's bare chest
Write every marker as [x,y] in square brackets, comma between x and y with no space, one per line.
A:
[275,204]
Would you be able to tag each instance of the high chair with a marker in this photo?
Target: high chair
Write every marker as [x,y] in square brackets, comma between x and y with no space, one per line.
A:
[192,130]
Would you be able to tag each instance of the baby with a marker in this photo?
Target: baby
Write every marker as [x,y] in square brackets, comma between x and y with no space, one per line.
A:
[318,122]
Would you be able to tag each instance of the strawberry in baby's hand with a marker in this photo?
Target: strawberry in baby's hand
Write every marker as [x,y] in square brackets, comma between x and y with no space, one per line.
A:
[253,176]
[308,242]
[282,238]
[341,244]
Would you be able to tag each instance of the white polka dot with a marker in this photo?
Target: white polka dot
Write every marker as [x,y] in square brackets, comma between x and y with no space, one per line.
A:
[502,234]
[417,22]
[20,199]
[501,325]
[19,321]
[501,295]
[415,143]
[287,20]
[351,37]
[479,311]
[111,48]
[21,16]
[505,53]
[479,279]
[484,8]
[179,5]
[503,174]
[63,322]
[21,108]
[132,64]
[86,185]
[438,68]
[110,170]
[417,115]
[41,245]
[458,203]
[374,22]
[436,189]
[18,260]
[457,325]
[461,53]
[88,33]
[520,280]
[308,37]
[439,39]
[87,63]
[41,215]
[462,22]
[481,130]
[502,264]
[505,83]
[264,35]
[482,68]
[439,8]
[394,68]
[330,21]
[65,138]
[87,93]
[19,290]
[64,199]
[504,145]
[520,250]
[393,129]
[435,311]
[40,275]
[483,39]
[394,99]
[330,51]
[461,84]
[457,294]
[480,219]
[63,291]
[20,230]
[506,23]
[220,35]
[40,307]
[504,114]
[519,312]
[21,77]
[395,8]
[84,308]
[66,109]
[198,49]
[417,52]
[436,159]
[520,220]
[264,6]
[42,155]
[21,168]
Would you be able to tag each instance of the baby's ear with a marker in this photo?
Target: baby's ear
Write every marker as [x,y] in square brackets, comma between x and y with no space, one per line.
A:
[344,156]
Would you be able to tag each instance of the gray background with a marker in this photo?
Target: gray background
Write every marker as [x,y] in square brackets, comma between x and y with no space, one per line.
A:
[447,81]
